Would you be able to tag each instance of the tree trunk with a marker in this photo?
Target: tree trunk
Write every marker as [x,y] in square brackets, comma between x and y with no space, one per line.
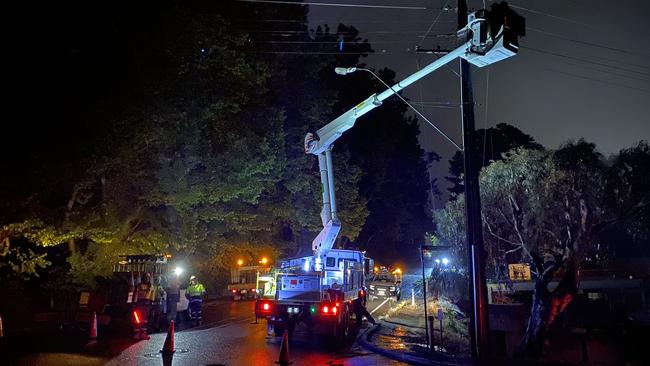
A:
[547,305]
[72,246]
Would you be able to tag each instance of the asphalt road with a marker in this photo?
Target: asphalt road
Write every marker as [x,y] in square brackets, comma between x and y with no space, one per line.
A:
[226,337]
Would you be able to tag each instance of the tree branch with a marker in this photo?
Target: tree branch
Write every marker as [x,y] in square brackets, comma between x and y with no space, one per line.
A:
[514,250]
[489,227]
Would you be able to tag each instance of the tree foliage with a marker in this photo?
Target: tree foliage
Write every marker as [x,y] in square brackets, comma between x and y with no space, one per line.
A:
[490,145]
[551,209]
[197,149]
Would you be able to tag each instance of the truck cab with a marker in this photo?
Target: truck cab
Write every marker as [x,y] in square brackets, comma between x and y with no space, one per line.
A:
[383,285]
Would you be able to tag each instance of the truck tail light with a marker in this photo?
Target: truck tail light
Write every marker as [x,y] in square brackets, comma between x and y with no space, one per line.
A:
[329,309]
[263,308]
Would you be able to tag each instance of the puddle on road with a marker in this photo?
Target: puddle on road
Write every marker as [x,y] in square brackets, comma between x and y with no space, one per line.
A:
[397,339]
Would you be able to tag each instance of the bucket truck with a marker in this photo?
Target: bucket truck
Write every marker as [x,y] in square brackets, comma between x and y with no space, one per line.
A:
[319,289]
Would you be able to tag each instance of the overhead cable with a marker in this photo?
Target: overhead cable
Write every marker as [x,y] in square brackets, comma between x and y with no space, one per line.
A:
[555,35]
[393,7]
[584,60]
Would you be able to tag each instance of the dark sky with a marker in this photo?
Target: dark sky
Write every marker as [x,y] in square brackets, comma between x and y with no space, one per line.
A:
[554,98]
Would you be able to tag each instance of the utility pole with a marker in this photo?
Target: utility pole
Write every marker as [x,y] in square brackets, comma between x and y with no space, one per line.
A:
[478,323]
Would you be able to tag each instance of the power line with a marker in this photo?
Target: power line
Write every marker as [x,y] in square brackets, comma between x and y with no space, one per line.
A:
[433,24]
[537,12]
[555,35]
[392,7]
[332,42]
[593,79]
[606,72]
[337,33]
[584,60]
[338,20]
[330,53]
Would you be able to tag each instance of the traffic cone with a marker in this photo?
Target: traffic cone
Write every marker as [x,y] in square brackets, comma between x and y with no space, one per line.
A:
[168,347]
[284,350]
[93,326]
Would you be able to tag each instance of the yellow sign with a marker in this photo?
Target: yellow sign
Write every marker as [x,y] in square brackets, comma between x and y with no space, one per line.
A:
[519,272]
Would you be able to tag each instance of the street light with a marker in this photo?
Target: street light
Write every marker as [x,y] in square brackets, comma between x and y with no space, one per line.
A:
[428,248]
[349,70]
[240,262]
[264,260]
[178,271]
[445,261]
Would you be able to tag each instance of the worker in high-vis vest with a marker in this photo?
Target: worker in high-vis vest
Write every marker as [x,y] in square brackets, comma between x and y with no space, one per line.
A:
[195,289]
[195,292]
[145,296]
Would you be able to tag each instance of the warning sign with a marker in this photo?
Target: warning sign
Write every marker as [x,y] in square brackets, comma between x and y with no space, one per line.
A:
[519,272]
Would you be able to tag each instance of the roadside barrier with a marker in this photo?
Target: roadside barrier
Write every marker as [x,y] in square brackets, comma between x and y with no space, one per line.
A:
[284,350]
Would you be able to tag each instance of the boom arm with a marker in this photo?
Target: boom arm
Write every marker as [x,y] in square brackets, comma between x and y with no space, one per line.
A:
[493,36]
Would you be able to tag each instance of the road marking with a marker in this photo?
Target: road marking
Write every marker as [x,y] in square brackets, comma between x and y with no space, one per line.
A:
[380,305]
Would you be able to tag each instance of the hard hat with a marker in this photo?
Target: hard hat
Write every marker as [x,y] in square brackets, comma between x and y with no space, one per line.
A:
[192,278]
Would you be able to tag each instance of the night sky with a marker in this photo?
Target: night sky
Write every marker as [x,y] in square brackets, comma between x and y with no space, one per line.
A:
[596,86]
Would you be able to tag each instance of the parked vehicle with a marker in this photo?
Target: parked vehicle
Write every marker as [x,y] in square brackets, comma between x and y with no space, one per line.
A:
[317,291]
[244,281]
[383,285]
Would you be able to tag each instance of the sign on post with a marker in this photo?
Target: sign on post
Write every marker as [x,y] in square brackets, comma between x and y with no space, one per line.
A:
[519,272]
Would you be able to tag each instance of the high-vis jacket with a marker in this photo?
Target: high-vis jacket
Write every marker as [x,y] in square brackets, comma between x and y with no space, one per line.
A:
[195,290]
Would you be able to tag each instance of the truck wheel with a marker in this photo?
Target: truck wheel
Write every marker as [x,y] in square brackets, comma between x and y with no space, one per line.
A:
[342,330]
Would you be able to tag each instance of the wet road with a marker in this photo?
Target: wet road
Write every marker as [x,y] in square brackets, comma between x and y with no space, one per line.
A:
[226,337]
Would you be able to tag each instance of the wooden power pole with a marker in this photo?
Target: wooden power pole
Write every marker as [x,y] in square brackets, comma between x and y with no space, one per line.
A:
[478,324]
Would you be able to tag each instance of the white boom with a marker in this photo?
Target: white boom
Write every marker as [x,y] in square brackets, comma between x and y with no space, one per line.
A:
[485,46]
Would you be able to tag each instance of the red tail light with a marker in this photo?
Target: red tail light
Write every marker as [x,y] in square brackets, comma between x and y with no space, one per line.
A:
[329,309]
[136,316]
[234,291]
[263,308]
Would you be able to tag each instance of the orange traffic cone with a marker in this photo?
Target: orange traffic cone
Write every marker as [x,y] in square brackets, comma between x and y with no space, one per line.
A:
[168,347]
[93,326]
[284,350]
